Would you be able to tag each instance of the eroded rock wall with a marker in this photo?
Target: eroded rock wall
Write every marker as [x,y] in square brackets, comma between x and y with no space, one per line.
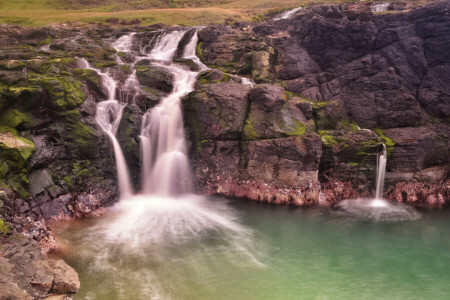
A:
[360,78]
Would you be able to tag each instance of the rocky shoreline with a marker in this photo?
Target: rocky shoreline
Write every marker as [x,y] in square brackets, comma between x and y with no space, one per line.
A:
[332,83]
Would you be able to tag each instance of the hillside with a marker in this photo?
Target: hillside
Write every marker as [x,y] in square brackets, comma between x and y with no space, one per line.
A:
[182,12]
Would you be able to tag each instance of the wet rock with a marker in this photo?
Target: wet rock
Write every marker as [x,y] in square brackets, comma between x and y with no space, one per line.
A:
[155,77]
[216,111]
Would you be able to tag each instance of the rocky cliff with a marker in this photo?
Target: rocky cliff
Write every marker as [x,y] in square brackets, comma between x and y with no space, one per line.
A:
[333,83]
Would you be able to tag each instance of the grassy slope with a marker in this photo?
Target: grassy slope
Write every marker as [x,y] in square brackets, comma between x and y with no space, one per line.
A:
[182,12]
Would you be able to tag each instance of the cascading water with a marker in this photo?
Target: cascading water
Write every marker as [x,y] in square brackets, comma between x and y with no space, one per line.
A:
[108,116]
[165,215]
[288,14]
[164,159]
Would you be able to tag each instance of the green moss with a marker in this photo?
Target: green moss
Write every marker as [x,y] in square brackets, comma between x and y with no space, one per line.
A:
[108,52]
[83,173]
[353,164]
[327,140]
[125,68]
[298,130]
[14,118]
[64,93]
[390,144]
[15,149]
[348,126]
[199,50]
[200,145]
[27,97]
[4,228]
[12,64]
[55,65]
[79,136]
[68,181]
[317,105]
[4,168]
[105,64]
[249,129]
[91,77]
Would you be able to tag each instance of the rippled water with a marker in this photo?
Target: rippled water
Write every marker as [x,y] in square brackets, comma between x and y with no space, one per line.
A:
[255,251]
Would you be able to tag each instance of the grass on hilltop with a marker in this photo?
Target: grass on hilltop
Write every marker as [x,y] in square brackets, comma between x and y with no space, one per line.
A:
[182,12]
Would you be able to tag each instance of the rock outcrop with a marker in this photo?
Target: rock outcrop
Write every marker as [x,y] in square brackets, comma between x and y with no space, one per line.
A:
[26,274]
[347,68]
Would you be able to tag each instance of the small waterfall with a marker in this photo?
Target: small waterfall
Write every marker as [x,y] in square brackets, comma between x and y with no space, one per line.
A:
[381,172]
[380,7]
[124,43]
[166,45]
[288,14]
[165,166]
[247,81]
[108,116]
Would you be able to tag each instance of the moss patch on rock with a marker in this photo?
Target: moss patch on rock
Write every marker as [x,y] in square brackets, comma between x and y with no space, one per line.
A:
[80,137]
[64,92]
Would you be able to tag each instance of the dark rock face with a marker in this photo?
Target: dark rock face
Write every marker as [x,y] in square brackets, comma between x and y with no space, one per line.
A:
[348,68]
[252,143]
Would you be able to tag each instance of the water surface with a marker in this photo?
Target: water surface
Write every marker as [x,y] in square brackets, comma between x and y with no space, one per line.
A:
[261,252]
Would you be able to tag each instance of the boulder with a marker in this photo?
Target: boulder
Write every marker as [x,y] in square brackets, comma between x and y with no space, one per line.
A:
[216,111]
[155,77]
[273,115]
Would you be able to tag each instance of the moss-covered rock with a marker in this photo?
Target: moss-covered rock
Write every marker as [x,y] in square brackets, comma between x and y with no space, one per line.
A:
[92,79]
[80,138]
[4,228]
[273,115]
[28,97]
[14,118]
[14,147]
[212,76]
[261,66]
[64,93]
[155,77]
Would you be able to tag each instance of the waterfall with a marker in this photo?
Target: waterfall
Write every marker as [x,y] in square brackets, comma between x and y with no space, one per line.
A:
[166,45]
[380,7]
[124,43]
[165,166]
[108,116]
[381,172]
[288,14]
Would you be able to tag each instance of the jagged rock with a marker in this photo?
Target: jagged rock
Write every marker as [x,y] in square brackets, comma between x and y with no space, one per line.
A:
[26,274]
[65,280]
[155,77]
[273,115]
[216,111]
